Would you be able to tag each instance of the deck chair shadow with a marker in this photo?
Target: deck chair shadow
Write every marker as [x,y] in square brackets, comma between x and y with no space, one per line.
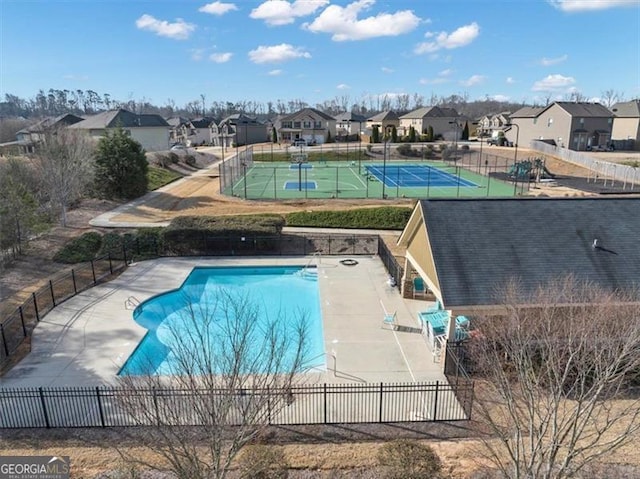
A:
[390,320]
[419,287]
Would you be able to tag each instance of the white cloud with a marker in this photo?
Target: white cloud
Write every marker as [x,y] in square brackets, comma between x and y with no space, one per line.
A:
[510,81]
[547,62]
[275,73]
[445,73]
[179,30]
[473,80]
[458,38]
[217,8]
[282,12]
[197,54]
[500,97]
[590,5]
[220,57]
[344,25]
[386,70]
[553,82]
[343,86]
[277,53]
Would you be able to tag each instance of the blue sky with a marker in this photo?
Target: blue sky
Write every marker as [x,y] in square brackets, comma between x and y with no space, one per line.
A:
[316,50]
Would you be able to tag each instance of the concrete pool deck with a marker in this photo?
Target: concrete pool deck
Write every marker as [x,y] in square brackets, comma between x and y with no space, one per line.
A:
[86,340]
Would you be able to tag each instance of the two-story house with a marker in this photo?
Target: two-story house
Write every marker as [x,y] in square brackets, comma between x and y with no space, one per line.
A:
[246,130]
[309,124]
[385,122]
[28,137]
[179,129]
[577,126]
[151,131]
[626,124]
[442,120]
[350,125]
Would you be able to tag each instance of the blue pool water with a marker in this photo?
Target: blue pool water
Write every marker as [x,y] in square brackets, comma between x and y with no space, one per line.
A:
[202,304]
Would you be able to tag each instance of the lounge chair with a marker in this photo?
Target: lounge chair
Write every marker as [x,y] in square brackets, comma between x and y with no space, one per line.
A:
[390,321]
[419,287]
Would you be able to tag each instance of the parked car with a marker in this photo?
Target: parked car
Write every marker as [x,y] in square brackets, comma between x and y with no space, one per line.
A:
[178,147]
[299,142]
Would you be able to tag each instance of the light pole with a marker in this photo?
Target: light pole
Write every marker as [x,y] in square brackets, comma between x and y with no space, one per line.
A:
[515,157]
[384,168]
[455,141]
[359,147]
[271,136]
[347,138]
[479,136]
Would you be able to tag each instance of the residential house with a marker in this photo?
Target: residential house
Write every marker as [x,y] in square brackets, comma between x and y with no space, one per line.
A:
[28,137]
[178,129]
[201,132]
[385,122]
[442,120]
[467,251]
[310,124]
[350,124]
[483,127]
[574,125]
[151,131]
[626,125]
[246,130]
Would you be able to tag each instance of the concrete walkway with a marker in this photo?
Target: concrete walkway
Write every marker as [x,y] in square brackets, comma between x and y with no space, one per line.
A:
[86,340]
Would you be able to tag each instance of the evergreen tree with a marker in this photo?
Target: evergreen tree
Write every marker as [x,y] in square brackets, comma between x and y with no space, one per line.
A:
[375,134]
[465,132]
[394,134]
[121,167]
[430,135]
[412,134]
[274,135]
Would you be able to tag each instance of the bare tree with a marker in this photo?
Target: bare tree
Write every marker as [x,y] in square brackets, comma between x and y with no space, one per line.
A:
[610,97]
[65,164]
[232,371]
[557,379]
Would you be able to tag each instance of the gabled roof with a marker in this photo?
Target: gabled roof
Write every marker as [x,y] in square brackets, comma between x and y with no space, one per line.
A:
[202,122]
[527,112]
[239,119]
[120,118]
[177,121]
[479,245]
[582,109]
[65,119]
[308,112]
[349,116]
[627,109]
[424,112]
[384,116]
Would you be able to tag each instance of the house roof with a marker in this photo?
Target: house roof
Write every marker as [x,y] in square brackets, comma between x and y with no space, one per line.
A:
[202,122]
[65,119]
[307,112]
[384,116]
[349,116]
[527,112]
[177,121]
[479,245]
[582,109]
[120,118]
[627,109]
[431,112]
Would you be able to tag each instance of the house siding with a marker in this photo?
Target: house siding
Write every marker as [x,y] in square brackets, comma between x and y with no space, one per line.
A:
[151,138]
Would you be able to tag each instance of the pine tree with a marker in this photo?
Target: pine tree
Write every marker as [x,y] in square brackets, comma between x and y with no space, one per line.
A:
[121,167]
[465,132]
[375,134]
[394,134]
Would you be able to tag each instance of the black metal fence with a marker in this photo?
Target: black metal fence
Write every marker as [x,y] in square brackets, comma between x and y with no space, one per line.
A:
[390,263]
[456,374]
[305,404]
[19,324]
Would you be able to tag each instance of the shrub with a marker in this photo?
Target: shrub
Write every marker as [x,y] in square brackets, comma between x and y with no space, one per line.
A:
[464,147]
[112,244]
[173,157]
[263,462]
[406,459]
[190,160]
[385,217]
[80,249]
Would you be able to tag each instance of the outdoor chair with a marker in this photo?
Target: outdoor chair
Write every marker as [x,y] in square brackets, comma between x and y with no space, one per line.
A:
[390,321]
[419,287]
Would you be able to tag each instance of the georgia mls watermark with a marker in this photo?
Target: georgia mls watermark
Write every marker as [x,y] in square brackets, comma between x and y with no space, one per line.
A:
[34,467]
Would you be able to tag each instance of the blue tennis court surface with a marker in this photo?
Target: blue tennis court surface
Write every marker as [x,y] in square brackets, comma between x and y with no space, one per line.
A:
[296,185]
[416,176]
[304,166]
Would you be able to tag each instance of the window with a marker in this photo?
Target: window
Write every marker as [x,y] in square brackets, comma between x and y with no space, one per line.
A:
[286,124]
[535,120]
[306,124]
[296,124]
[582,121]
[550,122]
[317,124]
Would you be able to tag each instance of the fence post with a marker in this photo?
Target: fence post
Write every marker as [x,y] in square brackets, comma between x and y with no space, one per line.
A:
[100,406]
[24,329]
[4,340]
[110,265]
[35,306]
[93,272]
[268,405]
[155,405]
[324,394]
[435,403]
[44,408]
[380,405]
[53,298]
[73,278]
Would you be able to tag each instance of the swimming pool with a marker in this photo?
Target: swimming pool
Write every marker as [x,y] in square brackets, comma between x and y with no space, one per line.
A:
[199,322]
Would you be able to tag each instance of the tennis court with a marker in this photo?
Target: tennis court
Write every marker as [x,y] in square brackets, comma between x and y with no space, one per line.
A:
[351,180]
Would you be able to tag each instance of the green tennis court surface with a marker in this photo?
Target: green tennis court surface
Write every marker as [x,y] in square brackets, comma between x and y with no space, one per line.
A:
[340,179]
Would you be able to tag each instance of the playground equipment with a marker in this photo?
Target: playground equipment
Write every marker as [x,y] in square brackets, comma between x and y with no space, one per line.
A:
[528,169]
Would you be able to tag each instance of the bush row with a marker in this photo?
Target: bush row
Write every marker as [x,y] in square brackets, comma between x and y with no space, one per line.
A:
[384,218]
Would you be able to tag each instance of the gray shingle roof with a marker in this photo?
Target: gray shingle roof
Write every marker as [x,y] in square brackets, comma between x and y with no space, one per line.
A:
[527,112]
[479,245]
[627,109]
[384,116]
[307,111]
[122,118]
[350,116]
[594,110]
